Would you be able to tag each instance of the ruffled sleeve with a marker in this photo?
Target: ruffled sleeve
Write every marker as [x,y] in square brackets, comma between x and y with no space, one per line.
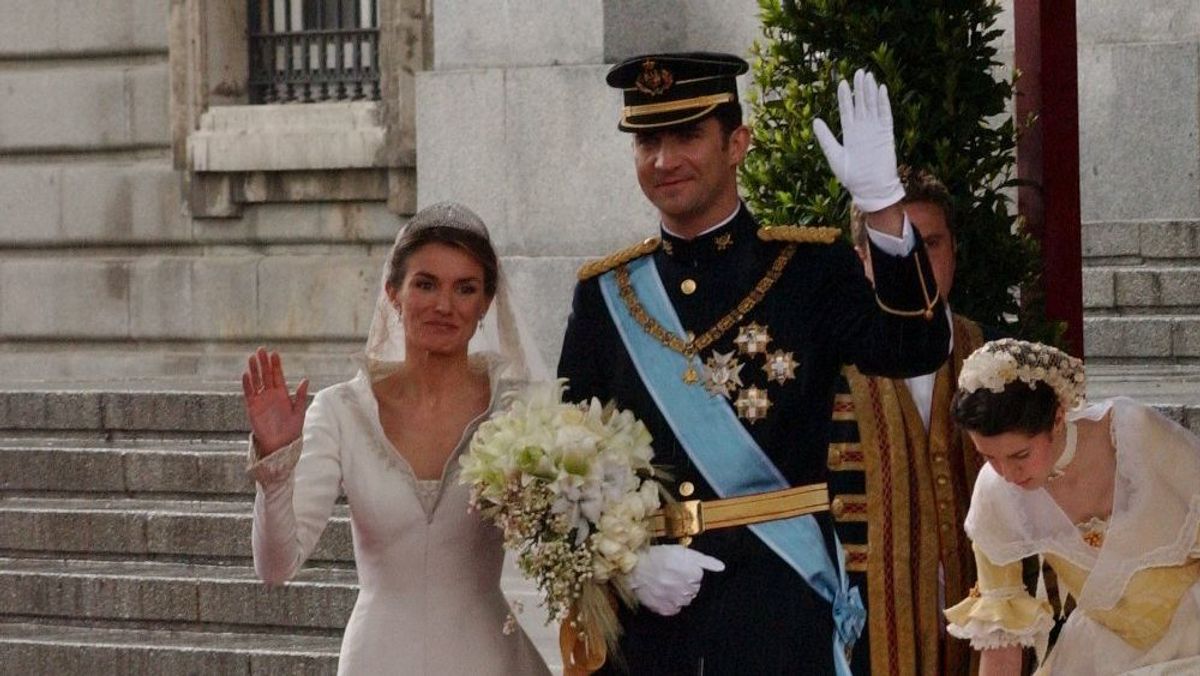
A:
[999,611]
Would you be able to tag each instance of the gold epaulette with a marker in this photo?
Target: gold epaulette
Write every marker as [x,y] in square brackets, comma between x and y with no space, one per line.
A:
[603,265]
[803,234]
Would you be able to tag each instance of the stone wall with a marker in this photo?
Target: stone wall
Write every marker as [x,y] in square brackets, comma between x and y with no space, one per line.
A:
[104,274]
[515,120]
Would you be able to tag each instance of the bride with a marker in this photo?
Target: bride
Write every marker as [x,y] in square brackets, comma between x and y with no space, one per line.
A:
[429,571]
[1108,494]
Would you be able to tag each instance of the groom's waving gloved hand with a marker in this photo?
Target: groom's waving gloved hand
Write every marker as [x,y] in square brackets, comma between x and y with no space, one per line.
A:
[667,577]
[865,161]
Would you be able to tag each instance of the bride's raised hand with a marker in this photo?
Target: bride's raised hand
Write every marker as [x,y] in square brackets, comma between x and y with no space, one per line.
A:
[276,418]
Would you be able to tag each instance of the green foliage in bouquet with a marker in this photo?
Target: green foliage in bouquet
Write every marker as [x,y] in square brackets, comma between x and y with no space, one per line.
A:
[938,61]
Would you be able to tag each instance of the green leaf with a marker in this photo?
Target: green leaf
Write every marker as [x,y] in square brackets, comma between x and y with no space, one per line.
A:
[952,117]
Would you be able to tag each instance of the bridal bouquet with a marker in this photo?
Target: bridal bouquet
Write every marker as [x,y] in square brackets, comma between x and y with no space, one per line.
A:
[570,486]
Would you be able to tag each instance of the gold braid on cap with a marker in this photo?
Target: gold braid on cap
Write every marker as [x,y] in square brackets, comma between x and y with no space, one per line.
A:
[603,265]
[1000,362]
[800,234]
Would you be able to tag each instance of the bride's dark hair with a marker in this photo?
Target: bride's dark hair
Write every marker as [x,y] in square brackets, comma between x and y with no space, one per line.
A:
[1028,409]
[454,226]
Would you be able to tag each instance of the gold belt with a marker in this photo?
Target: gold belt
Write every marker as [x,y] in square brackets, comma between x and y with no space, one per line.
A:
[691,517]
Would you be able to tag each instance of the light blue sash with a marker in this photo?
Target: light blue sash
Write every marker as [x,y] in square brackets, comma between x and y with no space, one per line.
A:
[725,453]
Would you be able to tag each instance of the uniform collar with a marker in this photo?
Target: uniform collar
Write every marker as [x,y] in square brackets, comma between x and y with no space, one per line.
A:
[714,243]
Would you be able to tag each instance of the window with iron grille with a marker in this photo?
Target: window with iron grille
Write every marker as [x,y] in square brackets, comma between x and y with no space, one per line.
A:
[303,51]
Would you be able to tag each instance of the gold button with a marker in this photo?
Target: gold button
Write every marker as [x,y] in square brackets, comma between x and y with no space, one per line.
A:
[939,457]
[835,458]
[687,488]
[944,505]
[942,480]
[688,287]
[837,507]
[946,527]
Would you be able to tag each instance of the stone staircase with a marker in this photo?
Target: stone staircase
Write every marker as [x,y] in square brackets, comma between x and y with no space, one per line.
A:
[125,544]
[1141,292]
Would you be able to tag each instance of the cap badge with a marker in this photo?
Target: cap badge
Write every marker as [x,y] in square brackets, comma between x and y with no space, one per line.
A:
[653,81]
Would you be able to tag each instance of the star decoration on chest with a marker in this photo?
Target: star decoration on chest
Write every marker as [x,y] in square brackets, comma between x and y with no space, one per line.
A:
[752,339]
[780,366]
[722,373]
[752,404]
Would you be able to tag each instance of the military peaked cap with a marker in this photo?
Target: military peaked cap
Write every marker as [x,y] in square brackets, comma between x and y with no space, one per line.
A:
[663,90]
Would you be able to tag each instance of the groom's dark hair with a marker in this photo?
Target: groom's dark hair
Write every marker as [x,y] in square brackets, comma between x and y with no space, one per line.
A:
[1018,408]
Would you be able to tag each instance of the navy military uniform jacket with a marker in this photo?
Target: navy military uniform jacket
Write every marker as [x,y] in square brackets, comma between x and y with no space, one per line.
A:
[758,616]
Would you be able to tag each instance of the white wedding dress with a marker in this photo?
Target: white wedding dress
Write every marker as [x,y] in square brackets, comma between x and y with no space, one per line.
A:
[429,600]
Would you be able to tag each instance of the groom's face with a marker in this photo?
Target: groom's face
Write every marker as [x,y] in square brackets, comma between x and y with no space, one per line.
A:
[689,172]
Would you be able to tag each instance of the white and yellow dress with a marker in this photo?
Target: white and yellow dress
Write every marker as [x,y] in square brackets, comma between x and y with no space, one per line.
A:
[1135,579]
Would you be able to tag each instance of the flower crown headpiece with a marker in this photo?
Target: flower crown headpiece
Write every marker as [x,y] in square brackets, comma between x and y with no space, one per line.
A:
[1000,362]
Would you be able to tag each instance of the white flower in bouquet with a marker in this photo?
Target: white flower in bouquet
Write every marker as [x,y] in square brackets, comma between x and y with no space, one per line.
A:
[570,485]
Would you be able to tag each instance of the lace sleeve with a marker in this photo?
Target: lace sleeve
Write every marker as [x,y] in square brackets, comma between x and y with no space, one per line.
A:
[295,493]
[1000,612]
[275,467]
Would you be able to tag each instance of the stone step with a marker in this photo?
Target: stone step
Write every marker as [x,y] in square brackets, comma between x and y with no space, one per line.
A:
[221,364]
[1152,337]
[1126,287]
[1136,242]
[27,648]
[143,408]
[316,598]
[147,528]
[1173,389]
[125,467]
[142,591]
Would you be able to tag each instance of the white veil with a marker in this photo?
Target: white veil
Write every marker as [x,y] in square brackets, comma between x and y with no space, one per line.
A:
[502,333]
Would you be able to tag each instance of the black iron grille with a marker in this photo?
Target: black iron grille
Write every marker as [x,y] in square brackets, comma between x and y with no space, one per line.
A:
[303,51]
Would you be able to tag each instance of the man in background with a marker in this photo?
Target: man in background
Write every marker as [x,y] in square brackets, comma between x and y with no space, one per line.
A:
[893,440]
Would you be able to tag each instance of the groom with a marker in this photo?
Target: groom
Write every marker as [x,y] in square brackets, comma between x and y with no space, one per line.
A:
[726,339]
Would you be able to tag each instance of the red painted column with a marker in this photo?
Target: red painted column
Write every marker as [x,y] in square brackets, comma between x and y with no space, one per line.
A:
[1048,152]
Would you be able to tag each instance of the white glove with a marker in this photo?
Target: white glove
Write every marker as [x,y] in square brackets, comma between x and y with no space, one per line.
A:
[866,164]
[667,577]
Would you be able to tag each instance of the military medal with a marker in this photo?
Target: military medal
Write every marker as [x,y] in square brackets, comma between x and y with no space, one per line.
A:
[722,374]
[752,404]
[690,377]
[752,339]
[780,366]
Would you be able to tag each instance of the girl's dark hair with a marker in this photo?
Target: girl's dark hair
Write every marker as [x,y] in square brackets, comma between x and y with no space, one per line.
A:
[1028,409]
[472,243]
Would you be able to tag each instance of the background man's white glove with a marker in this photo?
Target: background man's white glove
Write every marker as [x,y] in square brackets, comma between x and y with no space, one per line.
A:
[866,162]
[667,577]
